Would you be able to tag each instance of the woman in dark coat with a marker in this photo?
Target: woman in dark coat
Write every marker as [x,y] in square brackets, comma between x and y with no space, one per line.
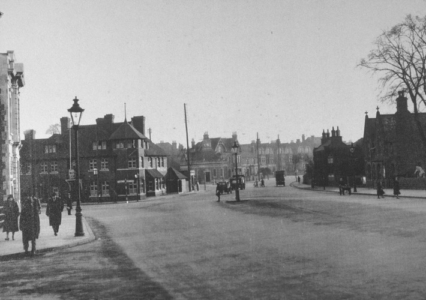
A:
[11,214]
[54,209]
[30,223]
[380,191]
[396,190]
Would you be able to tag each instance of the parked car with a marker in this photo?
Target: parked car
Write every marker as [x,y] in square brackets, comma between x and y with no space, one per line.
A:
[241,182]
[280,178]
[224,187]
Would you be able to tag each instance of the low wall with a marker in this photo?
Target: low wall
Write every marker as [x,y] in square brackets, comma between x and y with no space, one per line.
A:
[404,183]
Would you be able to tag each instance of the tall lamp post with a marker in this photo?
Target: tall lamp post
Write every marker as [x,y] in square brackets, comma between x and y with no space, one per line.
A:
[235,149]
[76,112]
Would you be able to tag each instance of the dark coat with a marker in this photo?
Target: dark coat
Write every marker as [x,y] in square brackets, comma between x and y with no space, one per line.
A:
[396,188]
[380,191]
[11,214]
[54,211]
[30,219]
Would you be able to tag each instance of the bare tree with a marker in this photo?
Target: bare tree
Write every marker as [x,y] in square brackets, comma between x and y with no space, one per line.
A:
[400,59]
[54,129]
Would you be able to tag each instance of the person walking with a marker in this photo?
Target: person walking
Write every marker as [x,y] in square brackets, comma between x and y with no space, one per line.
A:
[380,191]
[69,204]
[54,209]
[30,223]
[396,190]
[218,192]
[11,214]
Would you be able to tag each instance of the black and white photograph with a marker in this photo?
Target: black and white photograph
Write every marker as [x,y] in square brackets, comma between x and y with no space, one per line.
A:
[213,149]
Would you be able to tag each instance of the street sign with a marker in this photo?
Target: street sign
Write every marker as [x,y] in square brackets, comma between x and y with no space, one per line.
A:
[71,174]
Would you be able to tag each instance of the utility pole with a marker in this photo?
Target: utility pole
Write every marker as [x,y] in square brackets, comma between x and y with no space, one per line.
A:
[187,150]
[258,156]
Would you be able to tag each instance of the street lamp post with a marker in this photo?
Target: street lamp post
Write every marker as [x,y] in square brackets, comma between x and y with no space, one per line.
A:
[76,112]
[235,149]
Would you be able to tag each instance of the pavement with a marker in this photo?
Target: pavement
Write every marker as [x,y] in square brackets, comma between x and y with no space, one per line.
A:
[66,235]
[417,194]
[47,241]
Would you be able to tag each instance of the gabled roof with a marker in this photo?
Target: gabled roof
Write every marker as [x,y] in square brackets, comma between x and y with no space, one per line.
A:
[155,150]
[126,131]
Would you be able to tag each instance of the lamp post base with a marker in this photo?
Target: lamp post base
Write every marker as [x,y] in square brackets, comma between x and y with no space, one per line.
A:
[78,224]
[237,194]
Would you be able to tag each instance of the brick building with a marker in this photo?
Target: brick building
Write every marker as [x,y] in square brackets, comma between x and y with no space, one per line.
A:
[392,143]
[117,161]
[12,79]
[211,159]
[334,160]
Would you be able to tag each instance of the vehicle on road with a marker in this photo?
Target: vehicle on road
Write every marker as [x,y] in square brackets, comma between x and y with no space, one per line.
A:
[224,187]
[280,178]
[241,182]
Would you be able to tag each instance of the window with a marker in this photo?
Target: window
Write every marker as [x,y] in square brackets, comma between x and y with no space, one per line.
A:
[221,173]
[50,149]
[104,164]
[158,162]
[133,187]
[142,162]
[119,145]
[214,173]
[150,161]
[93,164]
[54,167]
[131,163]
[94,145]
[93,189]
[43,168]
[162,161]
[105,188]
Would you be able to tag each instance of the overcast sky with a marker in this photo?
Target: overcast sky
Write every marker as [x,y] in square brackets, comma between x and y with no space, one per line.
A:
[282,68]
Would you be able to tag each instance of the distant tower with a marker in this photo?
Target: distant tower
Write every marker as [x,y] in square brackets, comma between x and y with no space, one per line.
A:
[11,79]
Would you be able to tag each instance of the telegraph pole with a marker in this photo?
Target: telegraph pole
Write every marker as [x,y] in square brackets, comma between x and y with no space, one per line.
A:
[187,150]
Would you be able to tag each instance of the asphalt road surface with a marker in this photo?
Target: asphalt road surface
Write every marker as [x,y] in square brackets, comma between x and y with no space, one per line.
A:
[277,243]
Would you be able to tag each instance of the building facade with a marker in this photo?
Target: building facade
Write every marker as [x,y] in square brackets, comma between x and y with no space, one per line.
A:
[335,160]
[211,160]
[392,144]
[116,162]
[11,80]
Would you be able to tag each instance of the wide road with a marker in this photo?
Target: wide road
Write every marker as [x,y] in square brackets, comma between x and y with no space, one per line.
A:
[278,243]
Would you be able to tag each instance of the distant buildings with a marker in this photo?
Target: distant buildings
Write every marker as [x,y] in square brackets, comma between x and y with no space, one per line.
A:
[12,79]
[212,158]
[117,162]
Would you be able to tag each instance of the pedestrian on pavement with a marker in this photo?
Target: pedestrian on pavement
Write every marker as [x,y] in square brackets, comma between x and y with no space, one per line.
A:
[380,191]
[54,209]
[396,190]
[69,204]
[298,179]
[262,183]
[11,214]
[30,222]
[218,193]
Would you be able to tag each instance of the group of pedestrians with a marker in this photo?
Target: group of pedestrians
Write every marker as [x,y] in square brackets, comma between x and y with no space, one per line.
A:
[396,189]
[28,220]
